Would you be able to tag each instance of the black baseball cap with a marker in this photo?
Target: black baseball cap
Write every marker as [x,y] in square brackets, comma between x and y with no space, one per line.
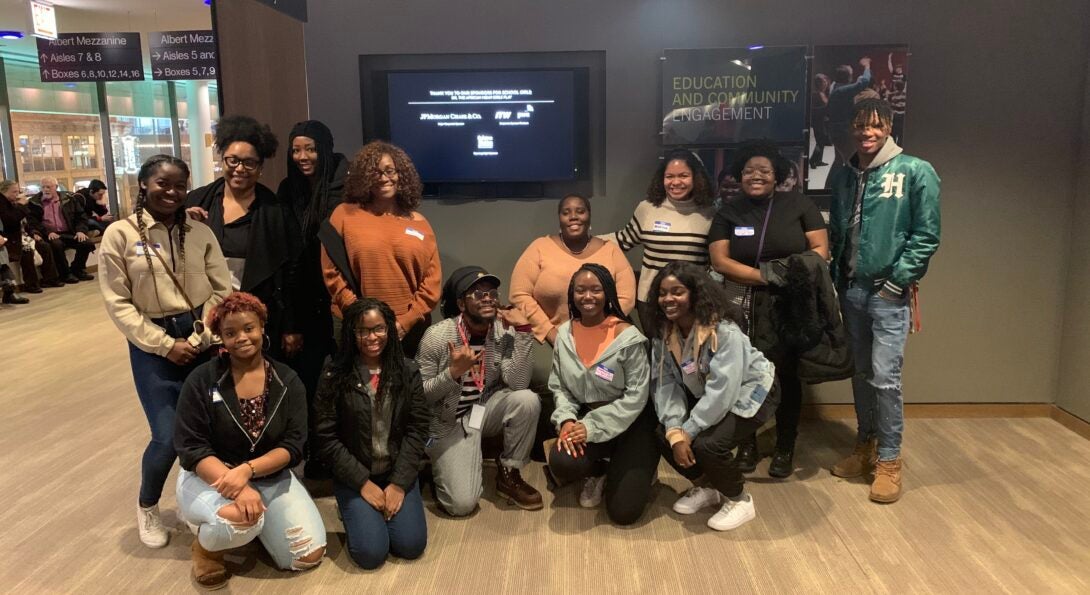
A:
[459,282]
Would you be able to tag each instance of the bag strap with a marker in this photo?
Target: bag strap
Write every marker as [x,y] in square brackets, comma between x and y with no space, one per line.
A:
[177,284]
[764,229]
[334,248]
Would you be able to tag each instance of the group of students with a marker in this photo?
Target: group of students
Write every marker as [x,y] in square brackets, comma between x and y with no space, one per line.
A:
[322,293]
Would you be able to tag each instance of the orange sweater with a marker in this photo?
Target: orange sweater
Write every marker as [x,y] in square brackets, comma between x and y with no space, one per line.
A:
[539,283]
[396,260]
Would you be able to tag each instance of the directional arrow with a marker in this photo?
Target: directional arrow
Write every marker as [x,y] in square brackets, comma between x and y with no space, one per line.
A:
[157,72]
[155,55]
[43,57]
[45,72]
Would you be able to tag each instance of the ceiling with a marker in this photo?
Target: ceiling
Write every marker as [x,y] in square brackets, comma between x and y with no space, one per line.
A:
[79,16]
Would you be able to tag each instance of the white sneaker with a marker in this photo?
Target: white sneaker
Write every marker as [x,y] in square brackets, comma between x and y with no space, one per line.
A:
[591,496]
[152,532]
[696,498]
[734,514]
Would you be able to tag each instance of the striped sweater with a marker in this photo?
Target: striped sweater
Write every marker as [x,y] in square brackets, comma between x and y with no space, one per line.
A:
[509,366]
[674,230]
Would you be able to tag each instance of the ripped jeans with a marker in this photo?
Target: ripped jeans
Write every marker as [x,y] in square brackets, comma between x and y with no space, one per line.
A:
[290,529]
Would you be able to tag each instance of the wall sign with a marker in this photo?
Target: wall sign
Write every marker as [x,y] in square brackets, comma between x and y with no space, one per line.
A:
[90,57]
[182,55]
[44,18]
[728,95]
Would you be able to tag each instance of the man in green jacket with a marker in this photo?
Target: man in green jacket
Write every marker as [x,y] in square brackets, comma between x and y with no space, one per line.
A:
[884,225]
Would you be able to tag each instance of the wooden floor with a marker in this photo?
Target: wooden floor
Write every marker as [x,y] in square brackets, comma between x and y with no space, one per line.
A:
[992,505]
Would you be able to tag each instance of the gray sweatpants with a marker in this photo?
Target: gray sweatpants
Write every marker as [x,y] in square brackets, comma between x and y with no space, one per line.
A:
[456,458]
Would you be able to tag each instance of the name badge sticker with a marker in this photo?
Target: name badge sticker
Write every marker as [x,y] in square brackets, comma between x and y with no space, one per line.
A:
[743,231]
[414,233]
[688,366]
[662,226]
[603,372]
[141,248]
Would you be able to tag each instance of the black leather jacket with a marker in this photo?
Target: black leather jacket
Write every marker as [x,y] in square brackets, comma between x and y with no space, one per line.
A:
[342,428]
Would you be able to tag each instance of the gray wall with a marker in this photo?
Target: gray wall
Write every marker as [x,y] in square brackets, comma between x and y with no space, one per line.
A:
[1074,363]
[996,104]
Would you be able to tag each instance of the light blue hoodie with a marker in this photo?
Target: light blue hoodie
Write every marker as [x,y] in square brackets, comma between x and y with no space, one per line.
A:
[619,376]
[735,377]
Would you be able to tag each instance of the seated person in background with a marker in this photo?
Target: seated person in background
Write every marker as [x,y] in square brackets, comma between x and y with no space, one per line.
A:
[21,244]
[96,205]
[372,421]
[713,390]
[241,427]
[59,217]
[599,381]
[7,278]
[477,370]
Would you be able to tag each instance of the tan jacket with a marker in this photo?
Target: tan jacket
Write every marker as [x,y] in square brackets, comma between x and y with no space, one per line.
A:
[130,292]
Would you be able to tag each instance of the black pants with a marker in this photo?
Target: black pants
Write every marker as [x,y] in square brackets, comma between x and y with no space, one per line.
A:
[65,241]
[633,458]
[712,449]
[790,408]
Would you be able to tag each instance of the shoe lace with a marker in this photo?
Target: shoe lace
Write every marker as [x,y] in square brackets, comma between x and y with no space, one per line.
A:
[151,520]
[885,468]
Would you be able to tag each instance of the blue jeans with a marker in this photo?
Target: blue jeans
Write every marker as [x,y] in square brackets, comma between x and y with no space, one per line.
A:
[878,328]
[290,529]
[158,384]
[371,537]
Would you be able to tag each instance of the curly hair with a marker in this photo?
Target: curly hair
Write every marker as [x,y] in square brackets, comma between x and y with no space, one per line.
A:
[702,194]
[363,173]
[708,299]
[609,286]
[234,129]
[760,148]
[235,303]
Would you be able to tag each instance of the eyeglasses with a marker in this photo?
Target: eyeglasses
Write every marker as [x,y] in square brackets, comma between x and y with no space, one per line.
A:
[389,172]
[378,331]
[247,164]
[480,294]
[757,171]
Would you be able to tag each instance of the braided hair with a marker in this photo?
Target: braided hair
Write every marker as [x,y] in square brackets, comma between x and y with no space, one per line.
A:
[150,168]
[394,378]
[613,303]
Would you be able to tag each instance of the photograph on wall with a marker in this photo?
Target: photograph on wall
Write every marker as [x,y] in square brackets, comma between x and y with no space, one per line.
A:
[841,76]
[724,96]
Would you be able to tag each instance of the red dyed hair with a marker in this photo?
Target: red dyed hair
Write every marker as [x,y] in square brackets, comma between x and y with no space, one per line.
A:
[238,301]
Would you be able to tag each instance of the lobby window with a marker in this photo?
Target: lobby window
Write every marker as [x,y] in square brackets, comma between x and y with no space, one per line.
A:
[82,152]
[41,153]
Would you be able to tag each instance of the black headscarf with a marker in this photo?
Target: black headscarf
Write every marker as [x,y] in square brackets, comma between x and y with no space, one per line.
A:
[312,206]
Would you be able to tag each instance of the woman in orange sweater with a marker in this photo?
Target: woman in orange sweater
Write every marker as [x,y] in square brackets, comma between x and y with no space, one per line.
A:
[539,283]
[387,247]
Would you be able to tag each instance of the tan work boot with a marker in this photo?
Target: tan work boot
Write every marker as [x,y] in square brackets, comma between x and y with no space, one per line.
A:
[861,460]
[208,568]
[887,482]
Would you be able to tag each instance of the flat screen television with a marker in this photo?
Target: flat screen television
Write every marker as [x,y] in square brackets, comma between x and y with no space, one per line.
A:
[489,125]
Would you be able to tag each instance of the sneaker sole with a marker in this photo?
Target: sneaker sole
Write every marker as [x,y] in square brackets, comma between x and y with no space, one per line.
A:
[882,500]
[733,526]
[204,587]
